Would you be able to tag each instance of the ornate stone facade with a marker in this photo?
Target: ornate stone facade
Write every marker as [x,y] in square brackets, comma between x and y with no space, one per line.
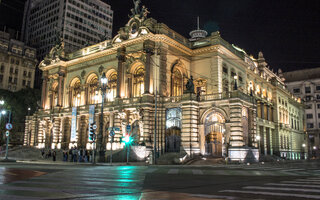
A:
[235,97]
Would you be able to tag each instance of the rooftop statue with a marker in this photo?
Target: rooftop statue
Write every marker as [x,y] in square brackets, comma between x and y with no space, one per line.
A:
[139,11]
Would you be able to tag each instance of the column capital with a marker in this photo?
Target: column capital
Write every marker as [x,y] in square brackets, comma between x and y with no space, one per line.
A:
[148,46]
[121,54]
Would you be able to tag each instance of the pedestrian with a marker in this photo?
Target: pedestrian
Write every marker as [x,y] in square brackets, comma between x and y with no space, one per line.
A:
[86,156]
[42,153]
[71,154]
[74,154]
[49,153]
[54,156]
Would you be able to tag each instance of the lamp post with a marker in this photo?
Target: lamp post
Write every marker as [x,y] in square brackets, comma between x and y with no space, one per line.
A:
[103,87]
[4,112]
[235,82]
[258,140]
[29,109]
[303,149]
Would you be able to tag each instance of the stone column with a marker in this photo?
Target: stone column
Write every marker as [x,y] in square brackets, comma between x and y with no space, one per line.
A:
[44,89]
[55,132]
[146,126]
[236,136]
[61,87]
[189,130]
[163,72]
[148,47]
[120,79]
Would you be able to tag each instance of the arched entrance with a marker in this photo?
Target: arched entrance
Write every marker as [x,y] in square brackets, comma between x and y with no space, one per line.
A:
[135,133]
[173,130]
[214,135]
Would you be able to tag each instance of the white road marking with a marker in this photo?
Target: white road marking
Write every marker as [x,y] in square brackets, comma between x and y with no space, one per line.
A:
[213,196]
[294,185]
[173,171]
[274,194]
[281,189]
[197,171]
[301,182]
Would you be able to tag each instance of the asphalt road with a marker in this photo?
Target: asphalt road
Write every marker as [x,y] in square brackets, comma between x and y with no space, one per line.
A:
[77,181]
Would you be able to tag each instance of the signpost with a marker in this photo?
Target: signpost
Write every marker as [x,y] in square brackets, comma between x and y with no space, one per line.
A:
[111,133]
[8,127]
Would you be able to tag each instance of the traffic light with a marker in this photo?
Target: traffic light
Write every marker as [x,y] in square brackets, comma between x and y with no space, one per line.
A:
[92,130]
[127,139]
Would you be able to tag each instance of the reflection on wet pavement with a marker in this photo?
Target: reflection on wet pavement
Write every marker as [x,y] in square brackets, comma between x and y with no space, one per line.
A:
[8,175]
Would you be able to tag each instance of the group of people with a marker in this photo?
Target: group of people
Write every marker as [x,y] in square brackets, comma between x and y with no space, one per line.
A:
[72,155]
[49,154]
[77,155]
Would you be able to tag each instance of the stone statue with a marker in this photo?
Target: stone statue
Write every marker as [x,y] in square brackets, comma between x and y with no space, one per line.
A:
[57,51]
[136,7]
[190,85]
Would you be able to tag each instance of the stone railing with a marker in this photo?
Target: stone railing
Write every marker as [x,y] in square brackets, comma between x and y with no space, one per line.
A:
[172,99]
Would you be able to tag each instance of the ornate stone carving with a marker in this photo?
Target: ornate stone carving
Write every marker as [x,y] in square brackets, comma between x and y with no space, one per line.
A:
[83,73]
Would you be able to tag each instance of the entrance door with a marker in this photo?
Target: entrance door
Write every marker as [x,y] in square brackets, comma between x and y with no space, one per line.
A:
[173,139]
[214,131]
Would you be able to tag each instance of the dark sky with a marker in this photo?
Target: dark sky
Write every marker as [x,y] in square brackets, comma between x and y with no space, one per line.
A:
[286,31]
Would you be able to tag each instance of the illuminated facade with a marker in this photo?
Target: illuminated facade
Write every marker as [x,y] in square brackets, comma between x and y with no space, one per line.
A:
[306,85]
[235,97]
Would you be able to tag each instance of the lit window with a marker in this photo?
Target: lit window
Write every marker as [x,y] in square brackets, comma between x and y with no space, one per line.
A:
[138,81]
[177,81]
[112,92]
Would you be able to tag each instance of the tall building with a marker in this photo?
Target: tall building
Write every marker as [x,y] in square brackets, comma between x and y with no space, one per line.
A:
[17,63]
[306,85]
[212,98]
[79,22]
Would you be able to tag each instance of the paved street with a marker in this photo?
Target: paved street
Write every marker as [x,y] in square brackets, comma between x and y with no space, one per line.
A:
[77,181]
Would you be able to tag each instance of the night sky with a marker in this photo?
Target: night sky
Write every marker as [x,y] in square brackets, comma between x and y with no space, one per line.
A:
[286,31]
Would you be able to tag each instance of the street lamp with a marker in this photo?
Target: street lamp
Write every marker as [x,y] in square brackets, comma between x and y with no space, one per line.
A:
[103,87]
[258,140]
[1,102]
[235,82]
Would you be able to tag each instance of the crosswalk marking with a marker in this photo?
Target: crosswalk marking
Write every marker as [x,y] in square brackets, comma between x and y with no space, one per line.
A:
[283,189]
[293,185]
[197,172]
[173,171]
[301,182]
[273,194]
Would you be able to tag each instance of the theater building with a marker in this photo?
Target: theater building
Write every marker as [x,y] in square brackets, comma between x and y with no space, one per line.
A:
[199,96]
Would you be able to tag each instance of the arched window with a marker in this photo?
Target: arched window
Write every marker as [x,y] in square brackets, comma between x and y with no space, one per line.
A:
[54,94]
[138,81]
[93,89]
[76,92]
[177,80]
[112,92]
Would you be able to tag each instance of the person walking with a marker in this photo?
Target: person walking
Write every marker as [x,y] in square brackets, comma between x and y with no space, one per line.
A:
[54,154]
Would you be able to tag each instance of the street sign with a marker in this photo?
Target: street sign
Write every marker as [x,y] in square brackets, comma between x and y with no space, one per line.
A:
[114,129]
[7,133]
[112,133]
[9,126]
[94,126]
[128,128]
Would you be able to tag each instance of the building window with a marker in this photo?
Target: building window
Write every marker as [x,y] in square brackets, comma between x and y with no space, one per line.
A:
[309,125]
[200,86]
[138,81]
[318,87]
[309,106]
[1,78]
[318,115]
[24,82]
[318,106]
[308,98]
[309,116]
[2,68]
[177,81]
[307,90]
[296,90]
[112,86]
[16,71]
[10,79]
[93,89]
[225,69]
[318,96]
[11,70]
